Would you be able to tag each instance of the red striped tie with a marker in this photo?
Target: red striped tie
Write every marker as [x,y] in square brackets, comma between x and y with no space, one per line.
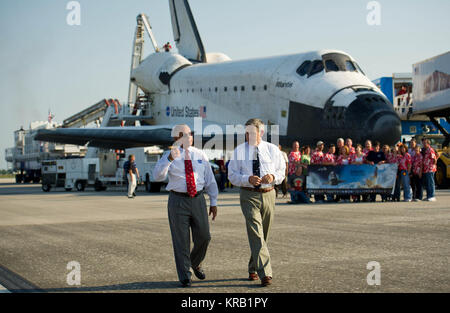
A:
[190,179]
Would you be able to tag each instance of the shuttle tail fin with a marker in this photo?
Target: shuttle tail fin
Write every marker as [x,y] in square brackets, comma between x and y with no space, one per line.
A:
[185,32]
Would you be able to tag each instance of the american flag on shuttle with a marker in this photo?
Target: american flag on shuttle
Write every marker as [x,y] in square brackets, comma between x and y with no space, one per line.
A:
[50,116]
[202,111]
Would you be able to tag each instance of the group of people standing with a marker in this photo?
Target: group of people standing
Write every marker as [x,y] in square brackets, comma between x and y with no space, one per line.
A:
[416,167]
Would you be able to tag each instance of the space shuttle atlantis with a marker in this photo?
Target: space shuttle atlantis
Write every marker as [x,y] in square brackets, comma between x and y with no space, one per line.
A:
[311,96]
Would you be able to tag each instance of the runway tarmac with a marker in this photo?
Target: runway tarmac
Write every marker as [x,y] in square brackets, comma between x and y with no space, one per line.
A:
[124,245]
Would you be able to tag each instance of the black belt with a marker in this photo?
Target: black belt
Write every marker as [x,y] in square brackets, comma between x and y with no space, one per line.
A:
[186,195]
[260,190]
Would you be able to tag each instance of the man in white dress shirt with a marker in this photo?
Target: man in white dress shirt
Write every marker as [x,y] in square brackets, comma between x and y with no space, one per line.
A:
[256,167]
[190,175]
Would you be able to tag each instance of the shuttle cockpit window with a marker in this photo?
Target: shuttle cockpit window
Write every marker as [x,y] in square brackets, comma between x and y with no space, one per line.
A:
[350,67]
[331,66]
[340,62]
[359,69]
[304,68]
[316,67]
[331,62]
[310,68]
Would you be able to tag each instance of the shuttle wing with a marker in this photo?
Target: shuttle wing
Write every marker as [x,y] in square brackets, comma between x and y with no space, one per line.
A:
[126,137]
[109,137]
[185,31]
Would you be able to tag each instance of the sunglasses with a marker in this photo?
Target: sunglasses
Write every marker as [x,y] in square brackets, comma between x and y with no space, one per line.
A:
[185,134]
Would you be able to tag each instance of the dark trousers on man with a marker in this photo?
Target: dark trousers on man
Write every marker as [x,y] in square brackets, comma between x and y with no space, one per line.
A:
[186,214]
[416,185]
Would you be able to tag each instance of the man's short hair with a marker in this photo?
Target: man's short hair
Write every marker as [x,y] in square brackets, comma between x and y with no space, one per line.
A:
[177,129]
[377,143]
[255,122]
[130,157]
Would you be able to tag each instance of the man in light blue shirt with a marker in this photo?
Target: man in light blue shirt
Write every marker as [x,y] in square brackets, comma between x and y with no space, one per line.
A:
[256,167]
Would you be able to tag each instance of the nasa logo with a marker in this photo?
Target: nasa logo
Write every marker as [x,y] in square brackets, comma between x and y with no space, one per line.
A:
[199,161]
[167,111]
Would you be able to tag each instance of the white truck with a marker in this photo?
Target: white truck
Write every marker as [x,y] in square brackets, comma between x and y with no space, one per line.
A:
[26,155]
[81,172]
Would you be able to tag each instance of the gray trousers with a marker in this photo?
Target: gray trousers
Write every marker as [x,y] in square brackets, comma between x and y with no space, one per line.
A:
[258,209]
[186,214]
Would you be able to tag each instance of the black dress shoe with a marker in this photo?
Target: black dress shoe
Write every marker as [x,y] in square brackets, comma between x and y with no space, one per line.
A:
[186,283]
[199,273]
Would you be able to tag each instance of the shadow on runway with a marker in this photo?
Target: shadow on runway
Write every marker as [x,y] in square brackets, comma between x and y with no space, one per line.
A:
[17,189]
[11,189]
[139,286]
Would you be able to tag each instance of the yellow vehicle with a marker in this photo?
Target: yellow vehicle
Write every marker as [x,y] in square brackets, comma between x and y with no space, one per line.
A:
[443,168]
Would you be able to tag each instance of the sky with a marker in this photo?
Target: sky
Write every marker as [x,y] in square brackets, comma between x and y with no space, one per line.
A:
[47,64]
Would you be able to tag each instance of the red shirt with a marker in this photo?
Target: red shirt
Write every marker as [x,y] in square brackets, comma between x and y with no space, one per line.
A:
[354,158]
[429,160]
[317,157]
[417,161]
[329,158]
[404,161]
[342,160]
[293,157]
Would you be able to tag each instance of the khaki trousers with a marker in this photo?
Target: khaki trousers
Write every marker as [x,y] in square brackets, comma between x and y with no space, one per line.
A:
[186,214]
[131,184]
[258,209]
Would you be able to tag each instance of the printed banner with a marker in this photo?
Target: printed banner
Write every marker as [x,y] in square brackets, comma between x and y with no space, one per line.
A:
[351,179]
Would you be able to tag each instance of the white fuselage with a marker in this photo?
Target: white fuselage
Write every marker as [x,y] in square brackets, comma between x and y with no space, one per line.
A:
[231,92]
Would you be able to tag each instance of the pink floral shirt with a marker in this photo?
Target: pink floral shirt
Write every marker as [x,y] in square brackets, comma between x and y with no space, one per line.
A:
[342,160]
[366,151]
[329,158]
[429,160]
[417,161]
[351,150]
[317,157]
[404,161]
[293,158]
[355,159]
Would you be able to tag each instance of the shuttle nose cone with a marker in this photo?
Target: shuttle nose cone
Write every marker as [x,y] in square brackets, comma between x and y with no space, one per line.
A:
[387,129]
